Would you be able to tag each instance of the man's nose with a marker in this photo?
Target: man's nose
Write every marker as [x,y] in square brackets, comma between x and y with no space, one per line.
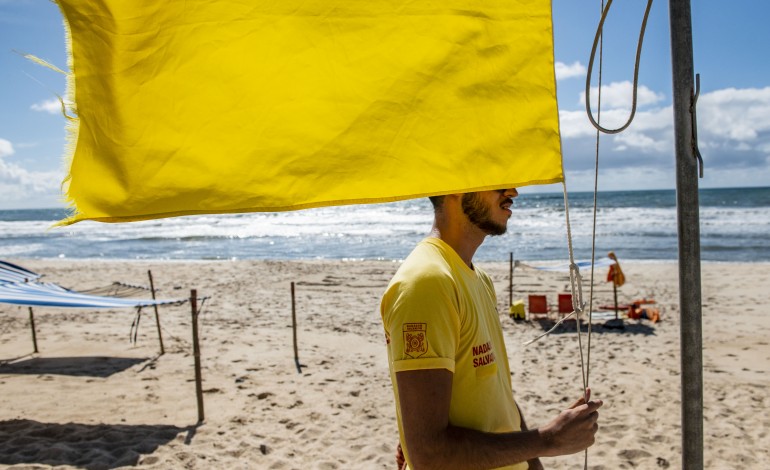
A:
[510,192]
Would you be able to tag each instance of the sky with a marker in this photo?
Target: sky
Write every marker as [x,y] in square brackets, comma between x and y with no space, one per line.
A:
[729,42]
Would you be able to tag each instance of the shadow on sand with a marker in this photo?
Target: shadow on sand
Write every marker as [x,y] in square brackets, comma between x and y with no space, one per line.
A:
[89,446]
[609,326]
[90,366]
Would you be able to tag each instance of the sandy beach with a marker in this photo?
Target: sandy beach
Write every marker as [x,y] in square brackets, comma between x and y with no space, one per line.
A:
[92,399]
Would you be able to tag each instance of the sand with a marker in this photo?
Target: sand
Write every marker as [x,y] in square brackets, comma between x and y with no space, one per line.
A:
[92,399]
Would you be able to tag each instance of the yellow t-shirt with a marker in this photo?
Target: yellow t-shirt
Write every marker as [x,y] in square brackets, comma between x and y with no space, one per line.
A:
[440,314]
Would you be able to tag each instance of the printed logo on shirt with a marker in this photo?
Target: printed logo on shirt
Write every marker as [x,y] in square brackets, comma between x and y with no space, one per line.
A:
[483,355]
[415,339]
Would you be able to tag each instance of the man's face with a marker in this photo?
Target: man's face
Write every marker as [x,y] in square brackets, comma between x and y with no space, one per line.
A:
[489,210]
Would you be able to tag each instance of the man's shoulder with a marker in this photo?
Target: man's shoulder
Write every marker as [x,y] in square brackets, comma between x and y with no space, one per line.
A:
[483,275]
[425,268]
[425,282]
[427,259]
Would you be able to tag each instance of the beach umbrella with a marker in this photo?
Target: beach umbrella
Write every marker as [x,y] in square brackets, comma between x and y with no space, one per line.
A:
[227,106]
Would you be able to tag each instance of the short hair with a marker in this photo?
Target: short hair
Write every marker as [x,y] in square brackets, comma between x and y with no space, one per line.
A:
[437,201]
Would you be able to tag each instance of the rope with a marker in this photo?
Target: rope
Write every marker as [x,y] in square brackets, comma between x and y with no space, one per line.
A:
[599,31]
[182,340]
[595,206]
[556,325]
[576,284]
[576,287]
[132,334]
[117,289]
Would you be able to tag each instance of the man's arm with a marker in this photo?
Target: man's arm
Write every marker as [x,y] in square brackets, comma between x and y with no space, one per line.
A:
[433,443]
[534,464]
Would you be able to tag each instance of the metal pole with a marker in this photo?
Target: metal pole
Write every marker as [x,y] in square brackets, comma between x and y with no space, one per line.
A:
[689,236]
[157,317]
[197,354]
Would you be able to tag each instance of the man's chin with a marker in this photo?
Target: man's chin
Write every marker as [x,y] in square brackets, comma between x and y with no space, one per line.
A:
[494,230]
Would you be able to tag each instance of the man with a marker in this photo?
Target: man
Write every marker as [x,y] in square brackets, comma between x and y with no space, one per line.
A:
[447,357]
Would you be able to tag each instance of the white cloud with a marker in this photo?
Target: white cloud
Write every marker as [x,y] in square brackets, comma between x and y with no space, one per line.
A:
[575,124]
[641,142]
[620,95]
[19,185]
[738,115]
[6,148]
[16,182]
[620,179]
[733,134]
[564,71]
[48,106]
[651,132]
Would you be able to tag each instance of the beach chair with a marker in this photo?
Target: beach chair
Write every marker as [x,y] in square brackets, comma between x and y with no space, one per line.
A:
[538,305]
[565,304]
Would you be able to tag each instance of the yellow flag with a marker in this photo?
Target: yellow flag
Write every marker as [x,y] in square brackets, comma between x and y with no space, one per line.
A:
[217,106]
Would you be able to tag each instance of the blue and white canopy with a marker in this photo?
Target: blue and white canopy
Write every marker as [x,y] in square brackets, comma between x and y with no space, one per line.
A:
[10,272]
[20,286]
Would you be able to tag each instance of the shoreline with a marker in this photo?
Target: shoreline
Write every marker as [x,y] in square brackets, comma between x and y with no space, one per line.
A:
[545,262]
[92,398]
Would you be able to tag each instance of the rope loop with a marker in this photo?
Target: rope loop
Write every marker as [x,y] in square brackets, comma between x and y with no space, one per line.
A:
[576,285]
[589,74]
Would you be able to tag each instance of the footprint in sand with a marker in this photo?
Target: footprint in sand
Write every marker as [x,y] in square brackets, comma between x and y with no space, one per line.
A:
[327,466]
[633,454]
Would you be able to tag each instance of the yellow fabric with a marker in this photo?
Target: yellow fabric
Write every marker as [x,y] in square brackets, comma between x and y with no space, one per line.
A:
[217,106]
[438,313]
[616,275]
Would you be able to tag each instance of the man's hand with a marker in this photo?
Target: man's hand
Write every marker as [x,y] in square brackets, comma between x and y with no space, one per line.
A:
[574,429]
[433,443]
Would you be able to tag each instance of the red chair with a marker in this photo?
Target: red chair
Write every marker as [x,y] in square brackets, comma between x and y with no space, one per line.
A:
[565,304]
[538,305]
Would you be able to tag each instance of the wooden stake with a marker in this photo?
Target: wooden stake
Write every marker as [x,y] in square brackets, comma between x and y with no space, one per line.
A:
[32,325]
[294,329]
[197,354]
[157,317]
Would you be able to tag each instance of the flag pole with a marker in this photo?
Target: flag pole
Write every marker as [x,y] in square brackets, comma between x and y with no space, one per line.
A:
[691,336]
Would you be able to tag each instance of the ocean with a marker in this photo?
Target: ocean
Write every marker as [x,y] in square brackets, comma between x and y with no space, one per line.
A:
[636,225]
